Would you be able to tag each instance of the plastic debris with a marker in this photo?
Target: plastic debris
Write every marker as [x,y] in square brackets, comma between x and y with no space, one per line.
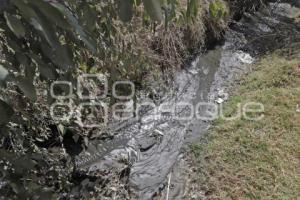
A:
[245,57]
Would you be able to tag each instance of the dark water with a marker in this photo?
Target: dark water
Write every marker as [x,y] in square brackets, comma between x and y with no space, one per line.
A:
[153,144]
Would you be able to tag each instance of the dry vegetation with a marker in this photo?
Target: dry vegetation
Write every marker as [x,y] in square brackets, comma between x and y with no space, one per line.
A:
[168,47]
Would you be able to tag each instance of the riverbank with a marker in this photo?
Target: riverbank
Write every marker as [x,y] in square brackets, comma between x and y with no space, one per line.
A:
[244,159]
[89,38]
[65,157]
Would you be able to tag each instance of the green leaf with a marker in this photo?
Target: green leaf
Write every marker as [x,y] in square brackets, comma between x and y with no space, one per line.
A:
[89,17]
[45,27]
[192,9]
[46,71]
[30,72]
[15,25]
[5,112]
[60,56]
[38,21]
[27,88]
[25,10]
[26,62]
[22,58]
[125,8]
[12,45]
[51,12]
[217,10]
[23,164]
[153,8]
[82,35]
[3,73]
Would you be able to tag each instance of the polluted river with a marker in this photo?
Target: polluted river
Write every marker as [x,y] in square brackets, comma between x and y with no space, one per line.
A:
[152,145]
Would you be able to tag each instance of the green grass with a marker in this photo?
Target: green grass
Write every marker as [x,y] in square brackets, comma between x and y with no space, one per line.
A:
[245,159]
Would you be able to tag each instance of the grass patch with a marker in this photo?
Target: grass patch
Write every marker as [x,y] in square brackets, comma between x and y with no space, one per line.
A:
[245,159]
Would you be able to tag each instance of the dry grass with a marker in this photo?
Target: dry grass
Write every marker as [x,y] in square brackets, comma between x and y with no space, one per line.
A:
[148,51]
[256,160]
[170,46]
